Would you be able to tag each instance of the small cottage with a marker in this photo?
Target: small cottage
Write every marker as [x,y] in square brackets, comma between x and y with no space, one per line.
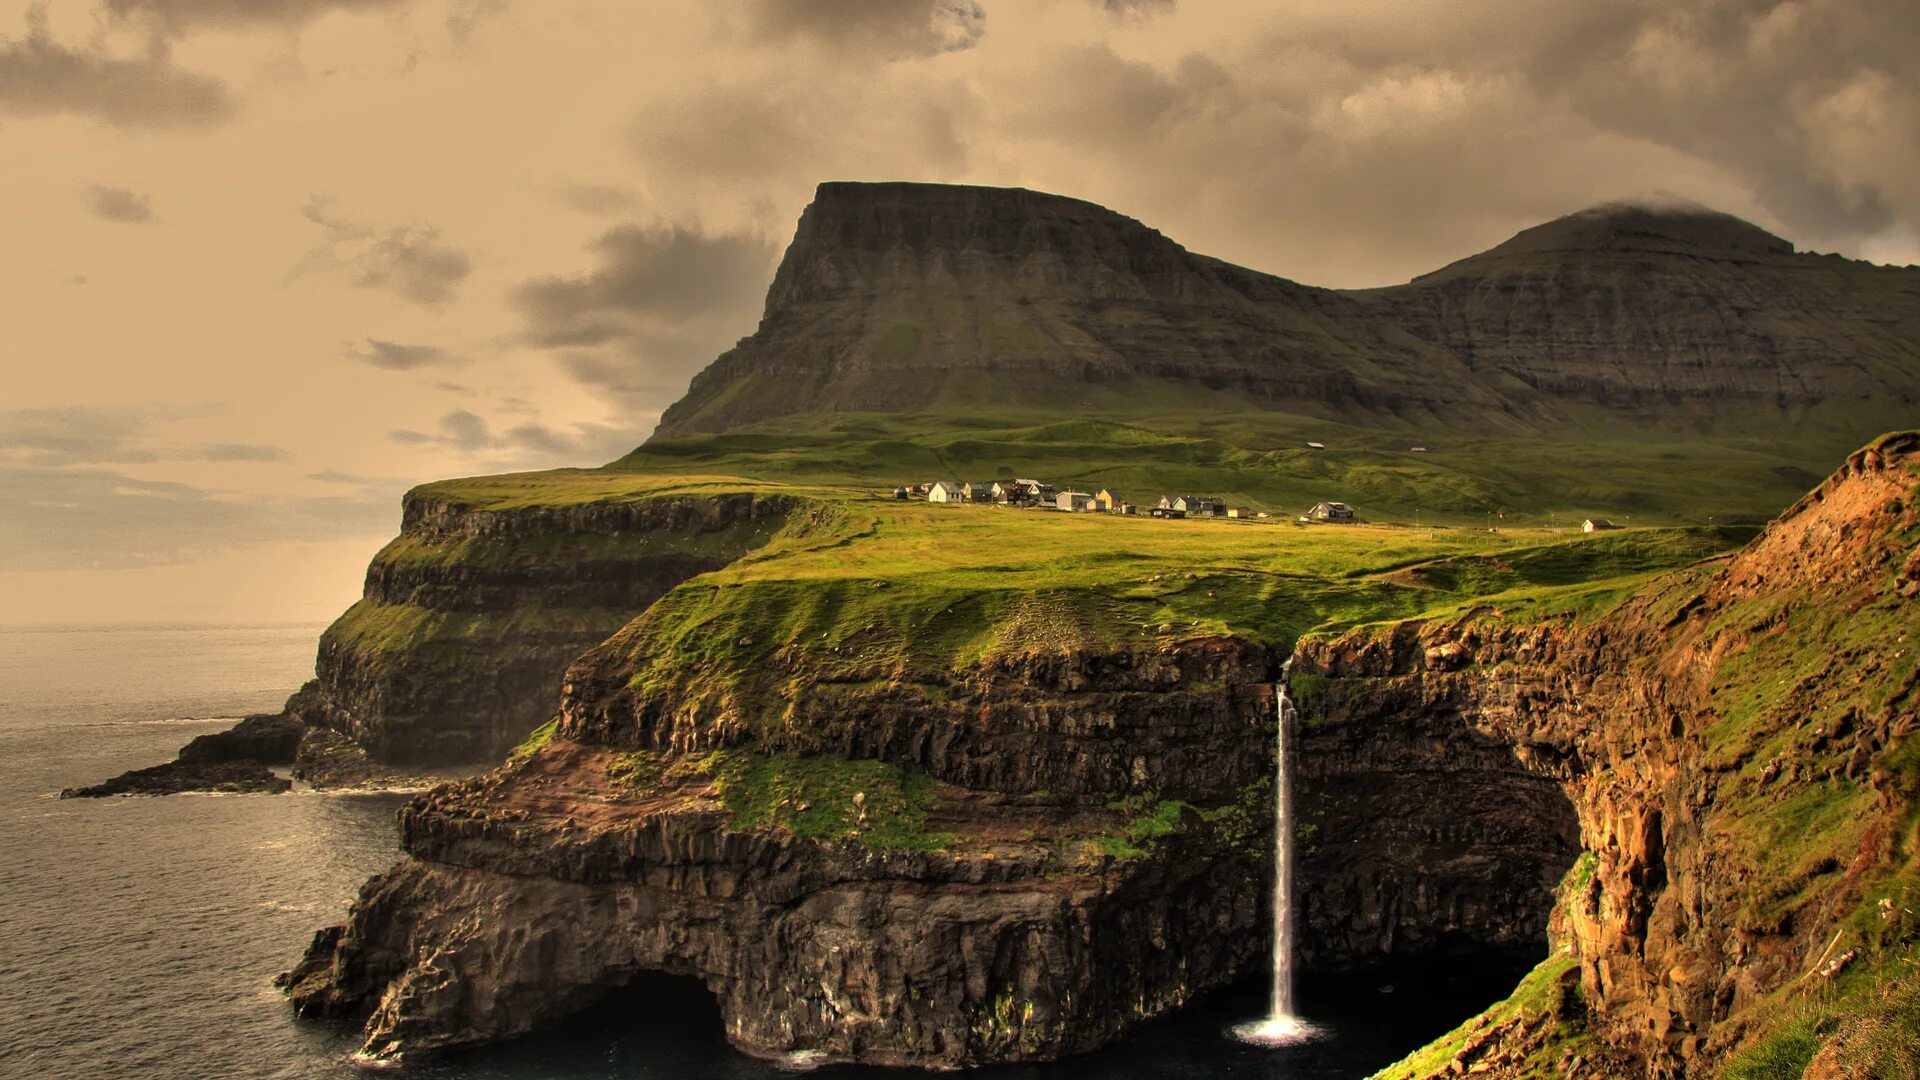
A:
[980,493]
[1073,501]
[1239,513]
[1332,512]
[1108,499]
[947,491]
[900,493]
[1597,525]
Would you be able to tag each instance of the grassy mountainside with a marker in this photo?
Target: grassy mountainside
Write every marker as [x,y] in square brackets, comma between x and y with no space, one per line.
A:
[1674,364]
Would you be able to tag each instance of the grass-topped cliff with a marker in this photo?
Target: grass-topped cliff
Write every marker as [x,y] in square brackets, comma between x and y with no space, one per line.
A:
[930,785]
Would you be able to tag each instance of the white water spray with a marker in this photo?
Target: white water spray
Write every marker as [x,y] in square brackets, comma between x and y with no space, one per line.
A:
[1281,1026]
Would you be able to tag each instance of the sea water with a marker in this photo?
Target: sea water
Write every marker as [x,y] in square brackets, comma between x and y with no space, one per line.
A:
[139,936]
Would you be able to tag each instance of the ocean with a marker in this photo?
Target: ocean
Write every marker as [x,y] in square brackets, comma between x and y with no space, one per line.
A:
[139,936]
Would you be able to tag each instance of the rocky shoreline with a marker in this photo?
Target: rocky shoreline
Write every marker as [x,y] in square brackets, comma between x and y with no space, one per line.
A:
[237,760]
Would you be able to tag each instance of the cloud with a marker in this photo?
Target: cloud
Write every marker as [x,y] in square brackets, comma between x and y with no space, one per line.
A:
[119,204]
[600,200]
[179,16]
[645,276]
[39,77]
[395,356]
[78,435]
[525,445]
[411,262]
[894,30]
[658,303]
[241,452]
[95,518]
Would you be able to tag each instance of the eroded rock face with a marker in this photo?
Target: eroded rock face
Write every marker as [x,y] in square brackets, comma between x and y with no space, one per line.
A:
[1181,721]
[1683,917]
[494,604]
[532,892]
[1031,934]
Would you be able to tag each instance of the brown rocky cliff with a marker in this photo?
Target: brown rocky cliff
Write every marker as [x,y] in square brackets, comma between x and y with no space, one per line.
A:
[1018,936]
[471,616]
[1684,729]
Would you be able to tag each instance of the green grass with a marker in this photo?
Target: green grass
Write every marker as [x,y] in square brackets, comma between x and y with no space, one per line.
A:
[535,742]
[1539,991]
[1782,1055]
[1209,446]
[1149,820]
[911,594]
[828,798]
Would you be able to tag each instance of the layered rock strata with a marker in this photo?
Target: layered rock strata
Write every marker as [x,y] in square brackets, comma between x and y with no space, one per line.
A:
[471,617]
[1103,846]
[1734,741]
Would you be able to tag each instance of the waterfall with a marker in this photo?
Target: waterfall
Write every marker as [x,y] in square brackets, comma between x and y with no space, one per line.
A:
[1281,1026]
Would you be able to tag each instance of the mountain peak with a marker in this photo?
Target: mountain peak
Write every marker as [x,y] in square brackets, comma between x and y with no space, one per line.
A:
[860,238]
[1666,227]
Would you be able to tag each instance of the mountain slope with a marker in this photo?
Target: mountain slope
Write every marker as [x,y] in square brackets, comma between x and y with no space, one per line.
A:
[954,300]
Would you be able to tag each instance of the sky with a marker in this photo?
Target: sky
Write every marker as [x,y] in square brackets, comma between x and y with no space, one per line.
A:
[265,264]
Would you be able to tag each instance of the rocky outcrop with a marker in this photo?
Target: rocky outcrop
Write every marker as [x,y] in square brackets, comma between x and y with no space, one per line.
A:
[533,892]
[236,760]
[1181,721]
[471,616]
[1694,730]
[182,777]
[1103,856]
[898,297]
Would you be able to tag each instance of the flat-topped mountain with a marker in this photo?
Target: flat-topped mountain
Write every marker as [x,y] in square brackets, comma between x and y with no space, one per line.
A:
[943,299]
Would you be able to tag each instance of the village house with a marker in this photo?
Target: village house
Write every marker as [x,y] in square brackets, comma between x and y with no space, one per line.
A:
[980,493]
[1009,492]
[1108,499]
[1073,501]
[1166,511]
[900,493]
[1193,505]
[947,491]
[1597,525]
[1239,512]
[1337,512]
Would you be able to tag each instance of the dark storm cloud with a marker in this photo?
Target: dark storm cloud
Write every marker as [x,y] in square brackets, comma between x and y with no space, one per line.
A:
[658,304]
[1808,106]
[1814,104]
[395,356]
[119,204]
[645,277]
[896,29]
[411,262]
[40,77]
